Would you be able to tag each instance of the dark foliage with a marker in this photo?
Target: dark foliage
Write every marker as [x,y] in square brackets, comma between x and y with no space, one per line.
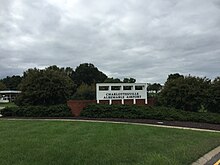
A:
[147,112]
[117,80]
[2,86]
[129,80]
[37,111]
[213,103]
[187,93]
[156,87]
[11,83]
[112,80]
[45,87]
[85,92]
[88,74]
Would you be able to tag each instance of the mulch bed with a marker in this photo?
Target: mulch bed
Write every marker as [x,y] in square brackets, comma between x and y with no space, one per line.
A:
[161,122]
[145,121]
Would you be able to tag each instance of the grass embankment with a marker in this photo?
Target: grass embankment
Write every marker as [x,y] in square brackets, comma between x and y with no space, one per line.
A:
[56,142]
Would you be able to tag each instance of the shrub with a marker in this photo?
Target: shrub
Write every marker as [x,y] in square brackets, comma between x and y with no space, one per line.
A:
[214,96]
[147,112]
[37,111]
[44,87]
[85,92]
[185,92]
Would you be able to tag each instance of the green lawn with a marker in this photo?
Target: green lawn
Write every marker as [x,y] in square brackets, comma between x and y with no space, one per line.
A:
[66,143]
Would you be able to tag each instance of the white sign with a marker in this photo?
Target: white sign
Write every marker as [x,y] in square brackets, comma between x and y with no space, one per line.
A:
[121,91]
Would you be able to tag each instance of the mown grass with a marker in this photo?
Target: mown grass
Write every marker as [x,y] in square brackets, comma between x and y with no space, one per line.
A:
[65,143]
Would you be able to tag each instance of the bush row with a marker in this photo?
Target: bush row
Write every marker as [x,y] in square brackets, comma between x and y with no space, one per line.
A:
[147,112]
[37,111]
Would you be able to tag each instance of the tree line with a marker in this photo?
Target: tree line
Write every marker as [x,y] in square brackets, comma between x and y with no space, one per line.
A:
[54,85]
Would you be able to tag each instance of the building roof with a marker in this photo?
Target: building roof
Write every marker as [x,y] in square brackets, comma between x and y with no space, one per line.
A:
[10,92]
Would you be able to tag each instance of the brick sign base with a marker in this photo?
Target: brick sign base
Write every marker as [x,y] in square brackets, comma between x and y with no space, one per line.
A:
[77,106]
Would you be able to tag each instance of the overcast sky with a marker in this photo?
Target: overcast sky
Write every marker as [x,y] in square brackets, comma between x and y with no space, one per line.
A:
[144,39]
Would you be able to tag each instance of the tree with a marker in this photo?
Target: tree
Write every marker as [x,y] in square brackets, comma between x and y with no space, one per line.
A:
[188,93]
[129,80]
[174,76]
[45,87]
[12,83]
[2,86]
[88,74]
[55,68]
[112,80]
[154,87]
[214,96]
[117,80]
[68,70]
[85,92]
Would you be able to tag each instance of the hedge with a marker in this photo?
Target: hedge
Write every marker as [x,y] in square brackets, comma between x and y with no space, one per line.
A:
[147,112]
[37,111]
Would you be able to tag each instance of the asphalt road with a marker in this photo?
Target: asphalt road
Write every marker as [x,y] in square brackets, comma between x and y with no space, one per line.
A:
[215,160]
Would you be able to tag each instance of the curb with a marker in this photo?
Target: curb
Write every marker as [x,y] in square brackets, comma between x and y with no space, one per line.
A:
[207,157]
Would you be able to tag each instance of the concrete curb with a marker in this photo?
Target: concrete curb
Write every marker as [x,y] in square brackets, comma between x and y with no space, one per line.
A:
[207,157]
[118,122]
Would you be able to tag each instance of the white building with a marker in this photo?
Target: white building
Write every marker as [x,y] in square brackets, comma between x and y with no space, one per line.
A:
[8,96]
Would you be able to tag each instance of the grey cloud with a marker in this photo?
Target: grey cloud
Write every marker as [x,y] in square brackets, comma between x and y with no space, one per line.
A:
[143,39]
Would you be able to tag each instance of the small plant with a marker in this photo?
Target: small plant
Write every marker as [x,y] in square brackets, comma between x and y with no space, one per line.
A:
[202,109]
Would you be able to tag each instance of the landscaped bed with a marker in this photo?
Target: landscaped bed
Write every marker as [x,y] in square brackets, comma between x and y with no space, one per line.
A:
[58,142]
[148,112]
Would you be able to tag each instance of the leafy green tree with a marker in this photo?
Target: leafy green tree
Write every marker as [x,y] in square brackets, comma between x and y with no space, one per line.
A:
[153,90]
[214,96]
[12,83]
[85,92]
[55,68]
[187,93]
[88,74]
[112,80]
[45,87]
[68,70]
[117,80]
[129,80]
[154,87]
[174,76]
[2,86]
